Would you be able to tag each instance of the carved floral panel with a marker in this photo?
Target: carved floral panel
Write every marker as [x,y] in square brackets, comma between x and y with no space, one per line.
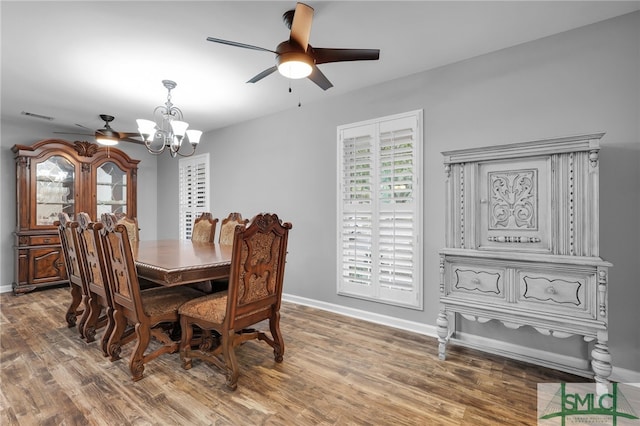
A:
[513,200]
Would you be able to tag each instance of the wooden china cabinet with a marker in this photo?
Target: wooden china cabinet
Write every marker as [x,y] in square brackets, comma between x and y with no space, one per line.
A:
[54,176]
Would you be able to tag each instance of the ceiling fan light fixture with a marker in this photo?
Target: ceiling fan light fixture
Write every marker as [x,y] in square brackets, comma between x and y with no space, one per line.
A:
[107,141]
[295,65]
[107,138]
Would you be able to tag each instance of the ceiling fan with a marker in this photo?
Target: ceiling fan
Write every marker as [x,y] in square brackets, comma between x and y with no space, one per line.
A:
[106,135]
[296,58]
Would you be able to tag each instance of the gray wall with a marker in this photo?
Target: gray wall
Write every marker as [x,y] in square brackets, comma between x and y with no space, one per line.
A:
[581,81]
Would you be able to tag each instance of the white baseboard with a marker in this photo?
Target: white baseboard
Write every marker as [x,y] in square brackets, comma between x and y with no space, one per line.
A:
[5,288]
[573,365]
[427,330]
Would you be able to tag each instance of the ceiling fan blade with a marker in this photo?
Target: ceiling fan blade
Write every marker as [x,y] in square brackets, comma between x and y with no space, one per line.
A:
[84,127]
[123,135]
[263,74]
[236,44]
[126,139]
[318,78]
[323,56]
[301,25]
[71,133]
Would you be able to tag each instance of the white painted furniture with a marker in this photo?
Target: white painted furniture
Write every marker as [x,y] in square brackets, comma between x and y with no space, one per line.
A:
[522,241]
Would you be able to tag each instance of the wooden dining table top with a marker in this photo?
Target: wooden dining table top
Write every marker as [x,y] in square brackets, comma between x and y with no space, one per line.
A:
[179,262]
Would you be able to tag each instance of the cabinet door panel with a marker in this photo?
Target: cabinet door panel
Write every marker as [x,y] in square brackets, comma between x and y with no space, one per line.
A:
[55,189]
[111,189]
[46,264]
[515,203]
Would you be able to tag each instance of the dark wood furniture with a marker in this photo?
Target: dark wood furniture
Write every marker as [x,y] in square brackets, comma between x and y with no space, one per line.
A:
[55,176]
[227,232]
[99,303]
[132,226]
[75,272]
[254,295]
[152,313]
[179,262]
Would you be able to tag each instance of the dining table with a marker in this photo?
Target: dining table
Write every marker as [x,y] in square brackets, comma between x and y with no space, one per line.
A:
[179,262]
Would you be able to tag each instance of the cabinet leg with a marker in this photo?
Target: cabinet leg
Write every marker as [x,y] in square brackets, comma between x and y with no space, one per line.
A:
[601,358]
[443,334]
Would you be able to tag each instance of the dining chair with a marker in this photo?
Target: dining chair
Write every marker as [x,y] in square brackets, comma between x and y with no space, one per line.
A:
[132,226]
[133,231]
[227,230]
[228,226]
[100,298]
[75,273]
[254,295]
[204,228]
[153,312]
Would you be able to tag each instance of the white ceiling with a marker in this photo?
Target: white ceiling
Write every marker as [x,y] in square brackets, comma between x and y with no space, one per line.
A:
[75,60]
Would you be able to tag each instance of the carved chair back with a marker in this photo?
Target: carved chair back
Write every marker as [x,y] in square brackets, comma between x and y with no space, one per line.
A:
[228,226]
[75,273]
[87,234]
[131,223]
[120,266]
[204,228]
[257,271]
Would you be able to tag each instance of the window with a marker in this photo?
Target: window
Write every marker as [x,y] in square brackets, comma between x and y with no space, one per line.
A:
[193,191]
[379,214]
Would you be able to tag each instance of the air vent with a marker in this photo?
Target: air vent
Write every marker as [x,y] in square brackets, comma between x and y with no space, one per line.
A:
[40,116]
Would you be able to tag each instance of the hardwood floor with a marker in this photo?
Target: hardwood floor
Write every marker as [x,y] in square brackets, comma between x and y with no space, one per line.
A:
[336,371]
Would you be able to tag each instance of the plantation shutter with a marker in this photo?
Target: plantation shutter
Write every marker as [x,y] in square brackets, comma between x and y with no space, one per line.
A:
[357,216]
[193,191]
[379,216]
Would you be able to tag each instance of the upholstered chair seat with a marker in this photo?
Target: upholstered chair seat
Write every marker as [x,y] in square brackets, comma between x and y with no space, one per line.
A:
[211,308]
[156,302]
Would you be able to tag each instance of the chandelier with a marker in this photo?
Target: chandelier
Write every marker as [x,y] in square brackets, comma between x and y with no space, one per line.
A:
[168,130]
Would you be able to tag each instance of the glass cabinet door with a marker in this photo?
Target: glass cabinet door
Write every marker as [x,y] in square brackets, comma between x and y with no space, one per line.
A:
[111,191]
[55,193]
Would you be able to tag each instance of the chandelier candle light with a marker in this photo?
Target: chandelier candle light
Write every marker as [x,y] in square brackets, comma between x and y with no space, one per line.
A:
[168,130]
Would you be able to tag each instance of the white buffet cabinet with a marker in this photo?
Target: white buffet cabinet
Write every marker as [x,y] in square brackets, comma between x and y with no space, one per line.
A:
[522,241]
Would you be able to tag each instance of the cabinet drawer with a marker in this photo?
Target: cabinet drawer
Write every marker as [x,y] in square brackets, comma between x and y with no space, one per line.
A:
[474,279]
[557,292]
[40,240]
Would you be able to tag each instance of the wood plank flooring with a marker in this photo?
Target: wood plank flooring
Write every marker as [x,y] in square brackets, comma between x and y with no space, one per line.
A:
[336,371]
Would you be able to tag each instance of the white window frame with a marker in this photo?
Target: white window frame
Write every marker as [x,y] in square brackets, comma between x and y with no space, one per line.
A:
[376,220]
[193,191]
